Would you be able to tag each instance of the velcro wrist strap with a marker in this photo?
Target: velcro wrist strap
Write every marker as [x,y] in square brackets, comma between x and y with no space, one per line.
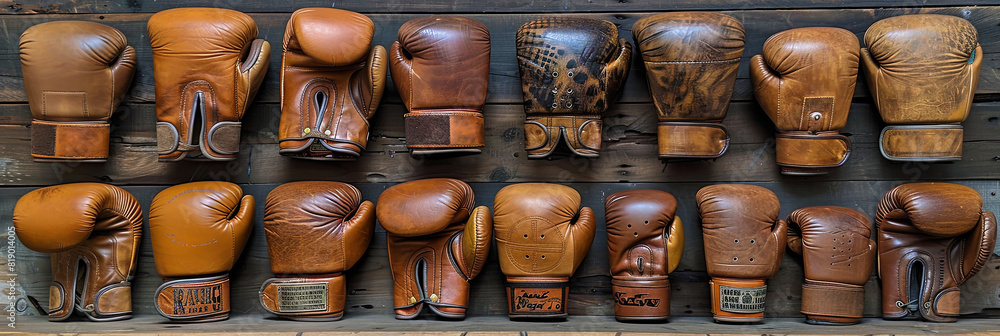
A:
[581,134]
[833,300]
[807,150]
[738,300]
[922,142]
[320,298]
[537,297]
[113,302]
[691,140]
[195,299]
[70,140]
[444,129]
[224,138]
[641,299]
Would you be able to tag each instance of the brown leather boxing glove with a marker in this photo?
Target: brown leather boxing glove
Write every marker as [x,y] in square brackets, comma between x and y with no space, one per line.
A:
[542,237]
[932,237]
[922,71]
[75,75]
[645,242]
[92,232]
[838,252]
[316,230]
[804,81]
[572,70]
[691,60]
[437,244]
[744,243]
[441,66]
[207,64]
[331,84]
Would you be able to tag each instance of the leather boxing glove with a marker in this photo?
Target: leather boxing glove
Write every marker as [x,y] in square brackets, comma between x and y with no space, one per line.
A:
[437,244]
[93,225]
[198,231]
[572,69]
[932,238]
[441,66]
[316,230]
[691,60]
[75,74]
[804,81]
[838,251]
[744,243]
[645,242]
[542,237]
[207,64]
[331,84]
[922,72]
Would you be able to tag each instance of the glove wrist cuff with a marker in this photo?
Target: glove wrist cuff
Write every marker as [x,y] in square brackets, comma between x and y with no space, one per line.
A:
[691,140]
[581,134]
[810,153]
[738,300]
[832,303]
[537,297]
[307,298]
[641,299]
[444,131]
[922,142]
[194,299]
[77,141]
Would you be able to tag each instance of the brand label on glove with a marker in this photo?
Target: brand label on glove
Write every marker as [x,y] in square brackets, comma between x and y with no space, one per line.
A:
[637,300]
[742,300]
[294,298]
[537,300]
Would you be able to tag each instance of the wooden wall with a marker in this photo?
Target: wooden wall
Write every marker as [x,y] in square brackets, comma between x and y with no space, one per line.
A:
[628,158]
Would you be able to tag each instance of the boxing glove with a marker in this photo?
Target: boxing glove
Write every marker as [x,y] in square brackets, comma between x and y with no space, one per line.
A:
[922,72]
[744,243]
[437,244]
[198,231]
[572,69]
[932,238]
[316,230]
[331,84]
[441,66]
[645,242]
[542,236]
[838,253]
[691,60]
[804,81]
[75,75]
[207,64]
[92,232]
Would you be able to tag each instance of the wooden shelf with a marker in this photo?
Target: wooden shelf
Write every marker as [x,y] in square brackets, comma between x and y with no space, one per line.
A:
[493,325]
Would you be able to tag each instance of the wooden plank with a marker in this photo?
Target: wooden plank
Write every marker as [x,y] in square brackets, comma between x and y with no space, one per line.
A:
[446,6]
[370,283]
[504,86]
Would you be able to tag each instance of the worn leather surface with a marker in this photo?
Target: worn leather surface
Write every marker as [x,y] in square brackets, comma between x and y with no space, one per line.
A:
[645,243]
[441,66]
[332,81]
[804,81]
[437,244]
[542,236]
[75,75]
[316,231]
[207,64]
[198,231]
[572,70]
[938,233]
[96,225]
[744,242]
[691,60]
[838,252]
[922,69]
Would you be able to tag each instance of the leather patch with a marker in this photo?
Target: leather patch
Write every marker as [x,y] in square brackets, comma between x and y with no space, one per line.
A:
[922,142]
[817,114]
[691,140]
[640,299]
[200,298]
[541,299]
[65,104]
[742,300]
[114,301]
